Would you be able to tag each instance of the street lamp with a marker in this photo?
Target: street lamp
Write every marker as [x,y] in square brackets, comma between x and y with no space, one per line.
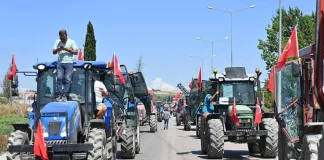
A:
[212,43]
[231,13]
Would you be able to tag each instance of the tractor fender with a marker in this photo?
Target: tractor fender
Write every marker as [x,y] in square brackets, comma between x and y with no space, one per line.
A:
[313,128]
[24,127]
[97,123]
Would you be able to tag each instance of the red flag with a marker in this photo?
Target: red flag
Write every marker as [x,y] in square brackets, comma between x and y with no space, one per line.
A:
[290,50]
[13,68]
[258,114]
[233,114]
[117,70]
[199,80]
[270,85]
[80,58]
[40,148]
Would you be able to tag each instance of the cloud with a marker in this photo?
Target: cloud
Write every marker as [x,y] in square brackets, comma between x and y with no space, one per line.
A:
[157,83]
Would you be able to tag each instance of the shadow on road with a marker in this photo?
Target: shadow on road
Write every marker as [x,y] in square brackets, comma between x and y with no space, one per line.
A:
[194,136]
[228,154]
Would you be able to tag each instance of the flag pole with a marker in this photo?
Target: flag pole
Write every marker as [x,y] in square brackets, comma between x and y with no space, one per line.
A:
[10,92]
[278,77]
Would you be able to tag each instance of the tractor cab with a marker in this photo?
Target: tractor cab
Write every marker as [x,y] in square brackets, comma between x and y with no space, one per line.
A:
[234,83]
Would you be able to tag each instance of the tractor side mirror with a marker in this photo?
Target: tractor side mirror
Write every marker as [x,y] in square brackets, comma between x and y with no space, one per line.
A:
[295,70]
[14,82]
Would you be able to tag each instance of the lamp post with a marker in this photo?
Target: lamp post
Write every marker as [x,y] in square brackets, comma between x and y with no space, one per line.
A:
[231,13]
[212,43]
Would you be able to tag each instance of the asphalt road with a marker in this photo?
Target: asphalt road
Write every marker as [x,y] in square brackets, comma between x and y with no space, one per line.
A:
[177,144]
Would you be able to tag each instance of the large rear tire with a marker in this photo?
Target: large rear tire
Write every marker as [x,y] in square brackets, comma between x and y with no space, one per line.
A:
[253,148]
[153,125]
[309,147]
[203,137]
[269,143]
[97,137]
[178,120]
[138,142]
[321,144]
[198,123]
[128,145]
[215,139]
[17,138]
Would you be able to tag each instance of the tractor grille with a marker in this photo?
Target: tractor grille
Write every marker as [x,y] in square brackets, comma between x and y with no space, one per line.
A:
[52,142]
[54,128]
[245,124]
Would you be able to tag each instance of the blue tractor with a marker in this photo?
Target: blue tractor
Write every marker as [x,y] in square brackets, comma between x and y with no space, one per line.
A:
[70,128]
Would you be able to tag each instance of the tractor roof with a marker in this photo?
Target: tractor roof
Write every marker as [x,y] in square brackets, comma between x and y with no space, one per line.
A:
[233,74]
[95,64]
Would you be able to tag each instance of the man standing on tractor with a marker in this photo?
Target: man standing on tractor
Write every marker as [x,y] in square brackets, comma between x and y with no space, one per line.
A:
[208,106]
[65,48]
[100,91]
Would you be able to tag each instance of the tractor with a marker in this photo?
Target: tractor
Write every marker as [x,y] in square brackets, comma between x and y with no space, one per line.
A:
[217,127]
[159,108]
[142,113]
[180,113]
[195,99]
[70,128]
[142,93]
[300,100]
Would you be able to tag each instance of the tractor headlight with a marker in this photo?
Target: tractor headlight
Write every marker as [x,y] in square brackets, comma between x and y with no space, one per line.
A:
[41,67]
[251,79]
[87,66]
[45,133]
[221,79]
[63,132]
[29,109]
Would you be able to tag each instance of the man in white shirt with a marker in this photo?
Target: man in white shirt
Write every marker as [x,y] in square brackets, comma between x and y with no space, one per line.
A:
[100,92]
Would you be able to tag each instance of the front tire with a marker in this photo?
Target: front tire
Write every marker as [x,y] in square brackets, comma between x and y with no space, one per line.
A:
[97,137]
[215,139]
[17,137]
[128,144]
[153,125]
[269,143]
[203,137]
[178,120]
[198,123]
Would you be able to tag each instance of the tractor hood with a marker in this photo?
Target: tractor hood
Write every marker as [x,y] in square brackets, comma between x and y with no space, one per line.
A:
[241,110]
[53,118]
[55,107]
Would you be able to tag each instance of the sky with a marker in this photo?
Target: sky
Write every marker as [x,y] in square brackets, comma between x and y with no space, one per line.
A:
[163,32]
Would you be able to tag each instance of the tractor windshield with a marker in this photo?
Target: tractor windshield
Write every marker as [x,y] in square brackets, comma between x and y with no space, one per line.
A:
[47,89]
[242,91]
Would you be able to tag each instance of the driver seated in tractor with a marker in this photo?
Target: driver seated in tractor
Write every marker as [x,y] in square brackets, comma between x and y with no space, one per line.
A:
[131,103]
[100,91]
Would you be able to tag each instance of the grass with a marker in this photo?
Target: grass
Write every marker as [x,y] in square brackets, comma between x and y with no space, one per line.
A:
[8,115]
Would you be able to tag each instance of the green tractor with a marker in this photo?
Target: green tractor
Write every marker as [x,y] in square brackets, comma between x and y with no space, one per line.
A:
[218,127]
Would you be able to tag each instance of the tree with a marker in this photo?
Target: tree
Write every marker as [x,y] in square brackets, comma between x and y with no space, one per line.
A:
[90,44]
[6,86]
[270,46]
[139,65]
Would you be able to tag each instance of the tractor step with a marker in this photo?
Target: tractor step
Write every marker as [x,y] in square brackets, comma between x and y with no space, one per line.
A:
[237,133]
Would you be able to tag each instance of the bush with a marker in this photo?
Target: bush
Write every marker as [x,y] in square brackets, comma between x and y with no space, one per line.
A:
[3,100]
[8,115]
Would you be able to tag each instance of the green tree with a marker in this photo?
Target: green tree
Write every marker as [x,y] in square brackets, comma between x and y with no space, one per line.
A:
[6,86]
[90,44]
[270,46]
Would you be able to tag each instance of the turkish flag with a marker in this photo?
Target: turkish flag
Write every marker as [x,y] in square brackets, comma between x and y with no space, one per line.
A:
[233,115]
[258,114]
[13,68]
[40,148]
[80,58]
[290,50]
[199,80]
[117,70]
